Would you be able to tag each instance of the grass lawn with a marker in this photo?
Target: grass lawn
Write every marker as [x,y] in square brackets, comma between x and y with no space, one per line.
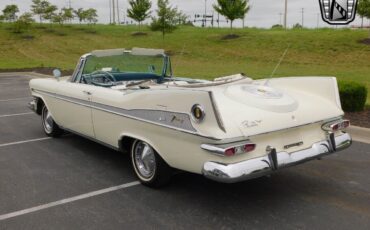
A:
[323,52]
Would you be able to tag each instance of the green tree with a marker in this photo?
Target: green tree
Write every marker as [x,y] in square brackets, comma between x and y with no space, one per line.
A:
[232,9]
[363,10]
[181,18]
[49,11]
[10,13]
[91,16]
[43,9]
[24,22]
[297,26]
[68,14]
[58,18]
[80,14]
[37,8]
[140,10]
[166,21]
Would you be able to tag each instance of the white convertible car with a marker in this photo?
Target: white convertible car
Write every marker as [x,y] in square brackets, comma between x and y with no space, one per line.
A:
[230,129]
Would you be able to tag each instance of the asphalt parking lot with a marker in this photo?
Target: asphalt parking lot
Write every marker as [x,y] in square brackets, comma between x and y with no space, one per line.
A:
[73,183]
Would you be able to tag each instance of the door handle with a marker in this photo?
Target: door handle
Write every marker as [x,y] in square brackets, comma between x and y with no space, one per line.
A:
[87,92]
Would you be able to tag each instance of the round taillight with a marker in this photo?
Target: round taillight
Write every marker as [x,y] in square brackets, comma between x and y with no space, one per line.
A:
[197,112]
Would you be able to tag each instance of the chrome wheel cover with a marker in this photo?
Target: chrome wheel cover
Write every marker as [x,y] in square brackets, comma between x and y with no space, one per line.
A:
[144,159]
[47,120]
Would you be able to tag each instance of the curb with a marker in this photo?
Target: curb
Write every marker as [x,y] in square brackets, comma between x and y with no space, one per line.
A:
[30,74]
[360,134]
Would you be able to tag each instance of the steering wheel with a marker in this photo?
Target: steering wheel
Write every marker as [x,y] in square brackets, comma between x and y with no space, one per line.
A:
[108,76]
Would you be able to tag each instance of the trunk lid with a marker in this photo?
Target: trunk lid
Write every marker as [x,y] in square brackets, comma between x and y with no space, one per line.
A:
[254,109]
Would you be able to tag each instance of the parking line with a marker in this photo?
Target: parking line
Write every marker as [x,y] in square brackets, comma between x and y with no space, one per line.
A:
[67,200]
[16,114]
[15,99]
[26,141]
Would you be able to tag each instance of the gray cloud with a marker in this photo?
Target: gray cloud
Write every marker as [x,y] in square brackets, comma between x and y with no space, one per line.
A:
[263,13]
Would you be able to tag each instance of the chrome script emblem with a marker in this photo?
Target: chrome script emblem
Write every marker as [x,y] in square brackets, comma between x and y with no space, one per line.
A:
[176,119]
[250,124]
[293,145]
[338,12]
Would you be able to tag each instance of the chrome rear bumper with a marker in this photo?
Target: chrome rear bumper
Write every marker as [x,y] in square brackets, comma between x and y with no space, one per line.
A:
[273,161]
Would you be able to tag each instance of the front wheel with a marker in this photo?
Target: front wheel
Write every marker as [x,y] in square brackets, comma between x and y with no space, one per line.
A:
[149,167]
[50,127]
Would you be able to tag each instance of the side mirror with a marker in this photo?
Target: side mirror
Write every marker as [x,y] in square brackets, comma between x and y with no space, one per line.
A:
[57,74]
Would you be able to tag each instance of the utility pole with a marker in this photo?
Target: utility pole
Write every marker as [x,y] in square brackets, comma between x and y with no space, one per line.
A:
[114,11]
[69,4]
[205,13]
[118,13]
[218,20]
[302,17]
[281,15]
[318,20]
[285,14]
[110,12]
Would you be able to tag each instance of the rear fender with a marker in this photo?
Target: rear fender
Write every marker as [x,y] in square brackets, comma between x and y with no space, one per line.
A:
[325,87]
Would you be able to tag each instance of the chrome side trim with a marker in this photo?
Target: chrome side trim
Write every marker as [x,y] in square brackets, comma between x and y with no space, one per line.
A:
[328,126]
[161,118]
[91,139]
[236,139]
[257,167]
[220,149]
[216,112]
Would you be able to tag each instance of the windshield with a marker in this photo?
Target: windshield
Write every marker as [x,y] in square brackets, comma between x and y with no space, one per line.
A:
[126,63]
[101,70]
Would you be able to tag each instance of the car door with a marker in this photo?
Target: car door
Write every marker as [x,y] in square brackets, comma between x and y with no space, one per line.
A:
[106,123]
[74,109]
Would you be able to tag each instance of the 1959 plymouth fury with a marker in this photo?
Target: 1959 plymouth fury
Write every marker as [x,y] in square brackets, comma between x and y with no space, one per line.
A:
[230,129]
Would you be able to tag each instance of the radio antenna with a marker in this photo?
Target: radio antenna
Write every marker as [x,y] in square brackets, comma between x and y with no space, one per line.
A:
[278,65]
[181,54]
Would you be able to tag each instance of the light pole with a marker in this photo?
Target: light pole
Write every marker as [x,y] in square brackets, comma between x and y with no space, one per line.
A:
[318,20]
[118,13]
[114,11]
[110,12]
[302,17]
[280,14]
[205,13]
[285,14]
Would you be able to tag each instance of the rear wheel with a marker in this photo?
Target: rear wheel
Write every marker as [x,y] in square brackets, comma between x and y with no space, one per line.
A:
[149,167]
[50,127]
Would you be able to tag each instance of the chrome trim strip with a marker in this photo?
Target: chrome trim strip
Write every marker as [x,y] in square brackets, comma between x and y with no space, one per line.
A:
[92,139]
[236,139]
[257,167]
[220,149]
[214,149]
[216,112]
[328,126]
[131,113]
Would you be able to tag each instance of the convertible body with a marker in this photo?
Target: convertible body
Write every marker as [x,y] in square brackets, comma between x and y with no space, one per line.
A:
[230,129]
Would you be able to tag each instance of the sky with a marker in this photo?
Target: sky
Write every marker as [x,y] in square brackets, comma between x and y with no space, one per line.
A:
[263,13]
